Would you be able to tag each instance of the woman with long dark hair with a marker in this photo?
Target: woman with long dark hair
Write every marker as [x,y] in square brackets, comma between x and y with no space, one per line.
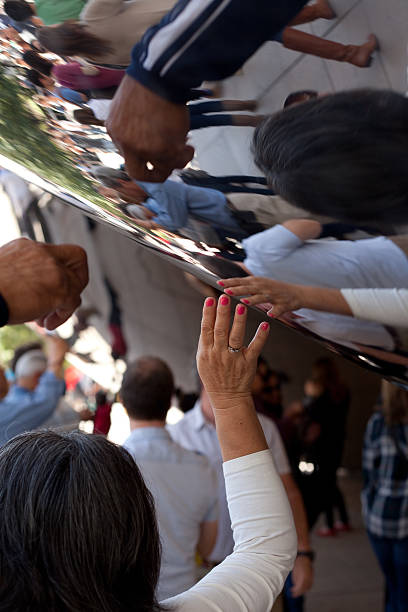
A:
[78,528]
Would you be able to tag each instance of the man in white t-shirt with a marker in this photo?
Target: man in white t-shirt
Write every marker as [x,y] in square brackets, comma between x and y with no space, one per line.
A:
[196,431]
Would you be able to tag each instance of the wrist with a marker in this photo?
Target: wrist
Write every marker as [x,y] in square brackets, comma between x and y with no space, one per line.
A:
[308,554]
[229,400]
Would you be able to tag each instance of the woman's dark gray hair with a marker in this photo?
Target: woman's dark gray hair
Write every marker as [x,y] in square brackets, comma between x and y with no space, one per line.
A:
[78,527]
[343,155]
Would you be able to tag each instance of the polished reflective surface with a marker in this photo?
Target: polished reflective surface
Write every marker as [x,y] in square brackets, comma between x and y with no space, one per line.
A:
[202,232]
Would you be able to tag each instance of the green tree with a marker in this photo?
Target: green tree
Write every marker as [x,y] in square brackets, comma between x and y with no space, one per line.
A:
[13,336]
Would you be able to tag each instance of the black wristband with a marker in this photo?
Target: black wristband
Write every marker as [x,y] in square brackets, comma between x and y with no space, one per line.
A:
[310,554]
[4,312]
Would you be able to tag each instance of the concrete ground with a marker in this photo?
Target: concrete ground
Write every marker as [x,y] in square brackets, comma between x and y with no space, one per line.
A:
[273,72]
[347,576]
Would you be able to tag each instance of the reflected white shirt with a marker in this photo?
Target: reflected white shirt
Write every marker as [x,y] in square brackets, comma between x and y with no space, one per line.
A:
[195,433]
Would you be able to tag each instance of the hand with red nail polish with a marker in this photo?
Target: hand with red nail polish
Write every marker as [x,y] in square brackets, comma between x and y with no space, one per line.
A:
[284,296]
[226,373]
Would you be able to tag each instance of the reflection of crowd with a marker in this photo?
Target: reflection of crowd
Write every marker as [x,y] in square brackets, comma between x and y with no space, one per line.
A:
[82,59]
[339,157]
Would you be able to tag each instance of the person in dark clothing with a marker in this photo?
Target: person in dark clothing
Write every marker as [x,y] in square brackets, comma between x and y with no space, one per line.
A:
[322,436]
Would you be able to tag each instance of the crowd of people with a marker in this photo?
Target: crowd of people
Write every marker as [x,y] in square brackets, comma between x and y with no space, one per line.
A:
[239,480]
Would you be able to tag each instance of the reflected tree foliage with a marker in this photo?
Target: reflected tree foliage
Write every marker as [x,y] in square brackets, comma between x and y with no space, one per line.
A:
[24,139]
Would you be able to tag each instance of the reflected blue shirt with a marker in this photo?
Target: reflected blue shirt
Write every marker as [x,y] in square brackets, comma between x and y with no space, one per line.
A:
[173,202]
[22,410]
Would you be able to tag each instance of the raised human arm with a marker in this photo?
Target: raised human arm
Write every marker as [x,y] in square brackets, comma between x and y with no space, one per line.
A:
[39,281]
[56,351]
[227,376]
[250,579]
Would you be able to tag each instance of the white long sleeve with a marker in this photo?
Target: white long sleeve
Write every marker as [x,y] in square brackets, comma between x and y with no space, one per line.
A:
[251,578]
[386,306]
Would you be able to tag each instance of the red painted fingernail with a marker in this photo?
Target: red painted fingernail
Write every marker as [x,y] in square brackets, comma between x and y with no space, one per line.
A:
[270,314]
[241,310]
[221,283]
[229,291]
[245,301]
[224,300]
[209,302]
[265,326]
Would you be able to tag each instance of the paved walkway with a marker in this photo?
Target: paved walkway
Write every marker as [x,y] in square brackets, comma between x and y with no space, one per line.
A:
[347,577]
[273,72]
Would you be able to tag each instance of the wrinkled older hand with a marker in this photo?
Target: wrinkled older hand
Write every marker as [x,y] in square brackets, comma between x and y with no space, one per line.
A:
[226,374]
[148,128]
[41,281]
[284,296]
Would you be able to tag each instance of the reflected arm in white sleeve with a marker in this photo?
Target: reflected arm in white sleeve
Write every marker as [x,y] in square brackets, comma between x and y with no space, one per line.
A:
[386,306]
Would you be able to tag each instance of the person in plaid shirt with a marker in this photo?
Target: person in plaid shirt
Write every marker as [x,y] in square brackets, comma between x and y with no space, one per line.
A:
[385,492]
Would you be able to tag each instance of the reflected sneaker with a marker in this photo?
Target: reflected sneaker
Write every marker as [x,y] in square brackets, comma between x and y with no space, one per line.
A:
[326,532]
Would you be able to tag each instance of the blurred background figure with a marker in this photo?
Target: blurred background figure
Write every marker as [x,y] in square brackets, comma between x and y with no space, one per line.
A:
[323,432]
[38,387]
[385,493]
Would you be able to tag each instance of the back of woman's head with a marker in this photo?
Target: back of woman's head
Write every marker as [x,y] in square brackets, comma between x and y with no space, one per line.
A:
[394,403]
[344,155]
[38,63]
[78,529]
[19,10]
[72,38]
